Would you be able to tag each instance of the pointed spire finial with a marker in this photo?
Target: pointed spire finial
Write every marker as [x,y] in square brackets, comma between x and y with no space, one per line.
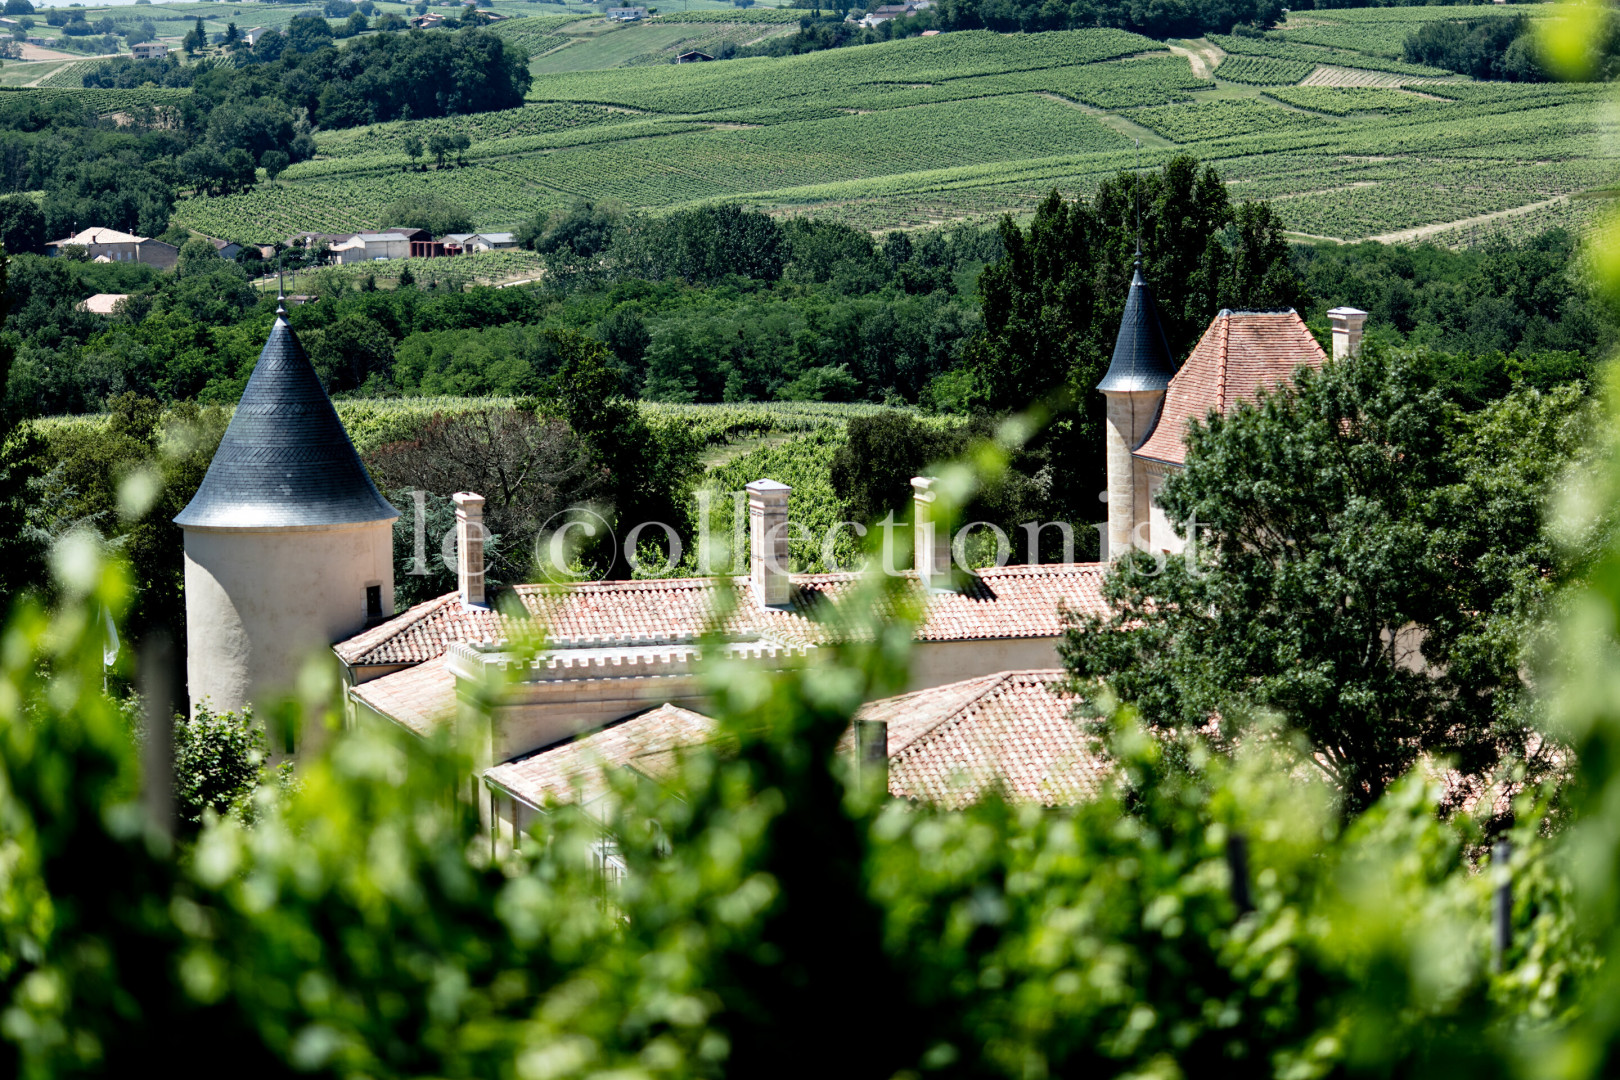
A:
[281,294]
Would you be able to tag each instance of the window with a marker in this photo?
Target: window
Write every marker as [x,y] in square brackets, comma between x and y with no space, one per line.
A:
[374,602]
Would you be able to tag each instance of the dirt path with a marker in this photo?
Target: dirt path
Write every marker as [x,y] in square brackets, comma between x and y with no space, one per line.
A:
[1202,55]
[1405,236]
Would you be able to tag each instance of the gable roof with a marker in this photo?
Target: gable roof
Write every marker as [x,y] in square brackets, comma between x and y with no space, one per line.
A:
[951,745]
[1141,354]
[948,746]
[647,743]
[1004,602]
[420,698]
[86,237]
[102,303]
[285,460]
[1240,354]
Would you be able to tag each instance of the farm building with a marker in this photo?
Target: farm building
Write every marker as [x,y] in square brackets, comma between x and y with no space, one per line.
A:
[372,247]
[111,245]
[149,50]
[426,21]
[102,303]
[626,14]
[893,11]
[468,243]
[693,57]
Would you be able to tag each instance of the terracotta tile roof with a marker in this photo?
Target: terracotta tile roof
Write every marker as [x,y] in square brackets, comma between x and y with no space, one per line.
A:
[948,746]
[420,698]
[953,744]
[1009,602]
[646,743]
[1242,353]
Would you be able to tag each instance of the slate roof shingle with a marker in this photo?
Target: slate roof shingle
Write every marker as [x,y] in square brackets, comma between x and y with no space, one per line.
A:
[1240,354]
[286,460]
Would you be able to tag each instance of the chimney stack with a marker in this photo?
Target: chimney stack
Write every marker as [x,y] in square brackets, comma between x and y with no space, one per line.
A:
[872,755]
[768,543]
[931,551]
[470,547]
[1347,324]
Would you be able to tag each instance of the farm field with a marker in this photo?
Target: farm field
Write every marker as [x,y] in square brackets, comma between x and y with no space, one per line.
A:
[973,124]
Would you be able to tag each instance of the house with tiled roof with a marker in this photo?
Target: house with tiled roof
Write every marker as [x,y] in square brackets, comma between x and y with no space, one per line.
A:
[573,658]
[1151,403]
[947,746]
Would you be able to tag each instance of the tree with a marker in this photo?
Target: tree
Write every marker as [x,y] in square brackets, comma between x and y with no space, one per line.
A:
[1367,563]
[412,146]
[218,763]
[306,33]
[645,472]
[195,40]
[274,163]
[355,24]
[198,255]
[232,36]
[527,468]
[351,353]
[583,231]
[19,7]
[22,225]
[439,145]
[460,142]
[437,215]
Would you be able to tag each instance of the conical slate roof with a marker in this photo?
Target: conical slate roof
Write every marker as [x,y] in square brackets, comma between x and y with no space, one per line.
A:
[1141,354]
[285,460]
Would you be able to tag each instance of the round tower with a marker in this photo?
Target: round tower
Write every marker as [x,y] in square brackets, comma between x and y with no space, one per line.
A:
[289,545]
[1134,386]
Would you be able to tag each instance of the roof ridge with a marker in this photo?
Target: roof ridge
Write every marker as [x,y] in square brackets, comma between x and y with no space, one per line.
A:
[955,716]
[369,639]
[1220,370]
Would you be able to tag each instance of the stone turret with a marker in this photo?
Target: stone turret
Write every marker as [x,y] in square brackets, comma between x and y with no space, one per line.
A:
[289,545]
[1134,386]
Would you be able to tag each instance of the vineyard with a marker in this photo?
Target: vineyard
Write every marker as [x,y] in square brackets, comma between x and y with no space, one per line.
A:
[970,125]
[765,16]
[1219,120]
[1262,71]
[1337,101]
[1277,48]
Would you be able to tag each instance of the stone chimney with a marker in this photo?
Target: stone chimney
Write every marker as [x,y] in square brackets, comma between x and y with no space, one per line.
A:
[768,543]
[470,547]
[931,551]
[872,755]
[1347,324]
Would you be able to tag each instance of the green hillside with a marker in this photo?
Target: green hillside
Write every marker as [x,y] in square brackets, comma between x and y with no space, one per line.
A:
[1319,114]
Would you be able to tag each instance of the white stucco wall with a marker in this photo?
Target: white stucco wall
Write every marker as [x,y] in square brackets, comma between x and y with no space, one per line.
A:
[260,603]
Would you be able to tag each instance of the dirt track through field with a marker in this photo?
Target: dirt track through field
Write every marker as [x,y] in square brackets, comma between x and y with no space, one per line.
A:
[1203,56]
[1406,236]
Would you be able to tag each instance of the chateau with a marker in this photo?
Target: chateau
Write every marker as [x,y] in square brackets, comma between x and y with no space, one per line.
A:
[289,550]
